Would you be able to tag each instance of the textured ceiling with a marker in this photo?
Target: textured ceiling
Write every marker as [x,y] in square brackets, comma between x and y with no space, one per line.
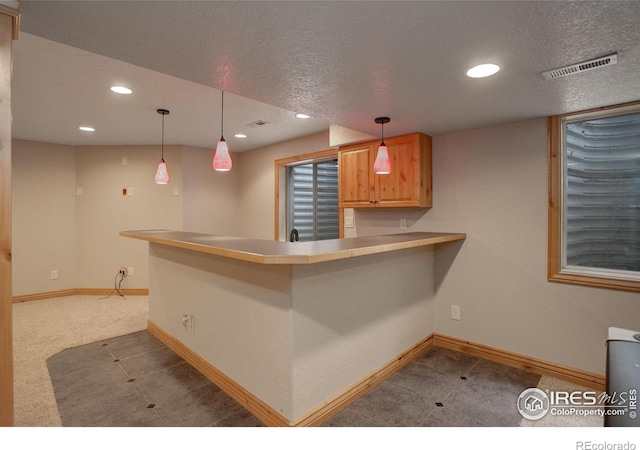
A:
[57,88]
[342,62]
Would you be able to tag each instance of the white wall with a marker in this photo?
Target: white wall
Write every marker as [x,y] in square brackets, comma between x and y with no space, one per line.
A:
[241,316]
[353,316]
[492,184]
[44,213]
[103,212]
[78,235]
[210,198]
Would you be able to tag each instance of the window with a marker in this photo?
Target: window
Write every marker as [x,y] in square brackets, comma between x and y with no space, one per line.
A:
[312,200]
[282,194]
[594,192]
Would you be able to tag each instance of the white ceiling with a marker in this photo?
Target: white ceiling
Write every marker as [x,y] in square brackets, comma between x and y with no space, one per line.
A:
[342,62]
[58,88]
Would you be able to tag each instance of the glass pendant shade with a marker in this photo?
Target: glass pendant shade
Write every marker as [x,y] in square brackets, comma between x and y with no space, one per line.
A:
[382,164]
[222,159]
[162,174]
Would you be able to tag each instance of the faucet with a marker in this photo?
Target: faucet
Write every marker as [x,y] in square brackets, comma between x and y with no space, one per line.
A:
[294,235]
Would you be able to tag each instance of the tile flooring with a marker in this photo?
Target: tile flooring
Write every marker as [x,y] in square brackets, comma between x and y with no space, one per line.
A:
[442,388]
[136,381]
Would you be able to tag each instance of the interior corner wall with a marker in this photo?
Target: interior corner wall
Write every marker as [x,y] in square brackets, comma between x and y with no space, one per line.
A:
[210,202]
[44,217]
[492,184]
[256,215]
[348,320]
[102,211]
[78,235]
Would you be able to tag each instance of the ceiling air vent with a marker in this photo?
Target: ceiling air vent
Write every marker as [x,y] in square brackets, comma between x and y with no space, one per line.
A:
[257,123]
[581,67]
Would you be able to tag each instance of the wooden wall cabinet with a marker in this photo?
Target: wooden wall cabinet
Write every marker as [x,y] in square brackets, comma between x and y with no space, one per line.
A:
[408,184]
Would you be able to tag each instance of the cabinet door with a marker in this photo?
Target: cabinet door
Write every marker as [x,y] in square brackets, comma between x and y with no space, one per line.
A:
[409,183]
[356,177]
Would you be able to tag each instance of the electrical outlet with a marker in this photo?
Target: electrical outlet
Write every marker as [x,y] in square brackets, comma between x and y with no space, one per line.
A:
[455,312]
[187,322]
[129,271]
[122,270]
[54,274]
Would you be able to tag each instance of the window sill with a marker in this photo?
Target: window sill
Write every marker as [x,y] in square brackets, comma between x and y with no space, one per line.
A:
[601,282]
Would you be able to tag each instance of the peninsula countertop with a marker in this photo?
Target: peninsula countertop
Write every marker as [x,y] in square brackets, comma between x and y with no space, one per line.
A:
[277,252]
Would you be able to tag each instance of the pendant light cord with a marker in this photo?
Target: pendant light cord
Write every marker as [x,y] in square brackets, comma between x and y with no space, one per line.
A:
[162,157]
[222,119]
[382,121]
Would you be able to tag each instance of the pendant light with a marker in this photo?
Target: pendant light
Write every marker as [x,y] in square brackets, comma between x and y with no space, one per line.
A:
[382,165]
[162,175]
[222,159]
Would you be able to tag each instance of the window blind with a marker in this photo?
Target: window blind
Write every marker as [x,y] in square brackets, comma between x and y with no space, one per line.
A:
[312,203]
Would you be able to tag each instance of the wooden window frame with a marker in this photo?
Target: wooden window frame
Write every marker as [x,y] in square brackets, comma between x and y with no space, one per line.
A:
[556,272]
[281,189]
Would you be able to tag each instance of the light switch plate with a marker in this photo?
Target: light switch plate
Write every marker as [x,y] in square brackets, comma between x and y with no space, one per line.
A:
[348,222]
[455,312]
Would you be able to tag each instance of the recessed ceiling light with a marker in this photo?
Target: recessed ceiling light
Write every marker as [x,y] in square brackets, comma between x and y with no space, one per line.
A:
[241,135]
[121,90]
[483,70]
[302,116]
[88,129]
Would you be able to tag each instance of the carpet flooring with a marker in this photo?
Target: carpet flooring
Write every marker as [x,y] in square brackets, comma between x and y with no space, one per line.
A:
[43,328]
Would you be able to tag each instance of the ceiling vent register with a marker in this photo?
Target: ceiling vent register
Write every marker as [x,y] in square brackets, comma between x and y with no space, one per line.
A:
[257,123]
[581,67]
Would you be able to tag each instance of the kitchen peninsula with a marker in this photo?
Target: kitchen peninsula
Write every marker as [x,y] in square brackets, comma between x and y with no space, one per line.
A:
[293,331]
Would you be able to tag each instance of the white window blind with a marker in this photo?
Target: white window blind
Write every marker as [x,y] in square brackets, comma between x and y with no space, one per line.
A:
[312,200]
[602,193]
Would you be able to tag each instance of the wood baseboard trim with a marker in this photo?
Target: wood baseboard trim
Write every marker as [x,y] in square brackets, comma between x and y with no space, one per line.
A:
[318,416]
[261,410]
[353,393]
[576,376]
[268,415]
[102,291]
[75,291]
[42,295]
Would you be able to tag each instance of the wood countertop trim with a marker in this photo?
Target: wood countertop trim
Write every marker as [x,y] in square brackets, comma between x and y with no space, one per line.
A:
[276,252]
